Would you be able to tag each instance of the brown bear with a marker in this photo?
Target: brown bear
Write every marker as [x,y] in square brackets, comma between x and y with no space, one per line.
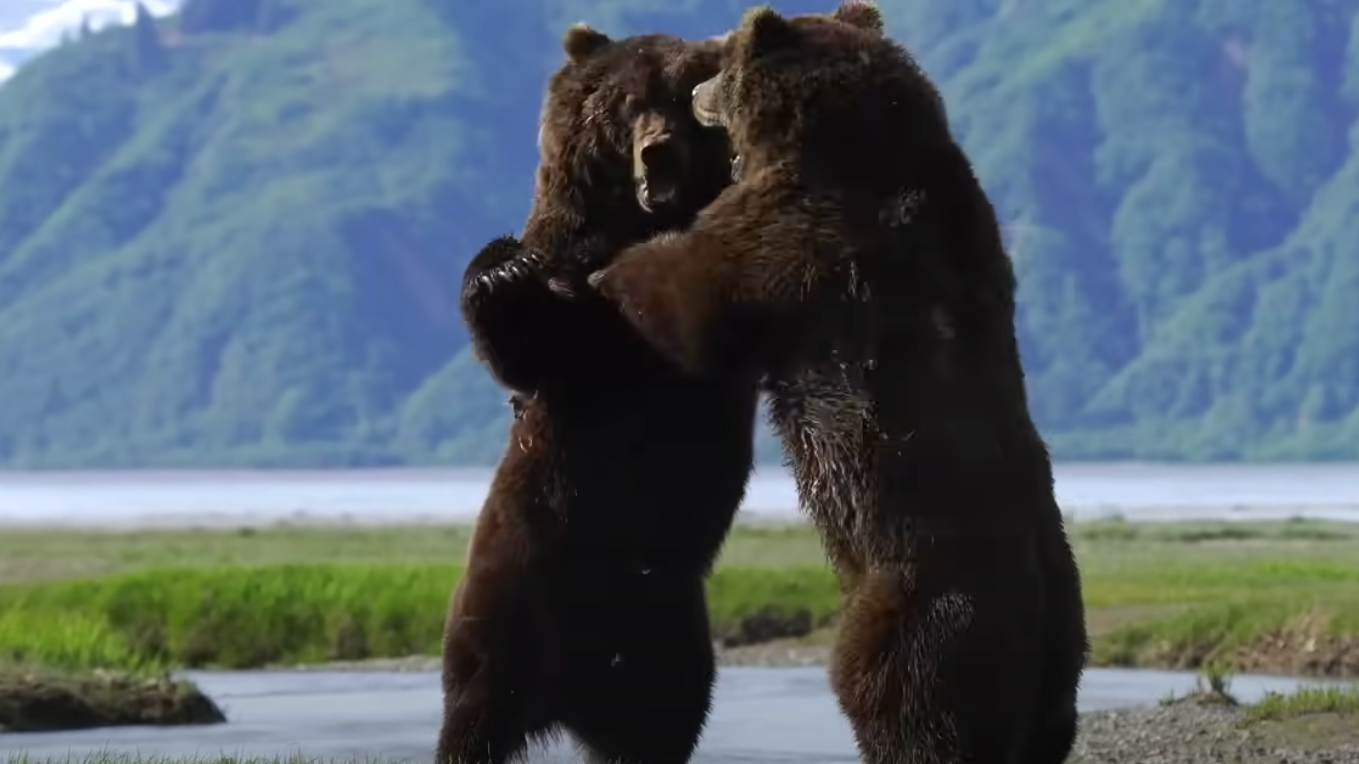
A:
[582,607]
[857,264]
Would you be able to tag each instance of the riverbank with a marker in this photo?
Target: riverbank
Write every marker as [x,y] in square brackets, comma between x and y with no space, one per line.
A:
[1277,598]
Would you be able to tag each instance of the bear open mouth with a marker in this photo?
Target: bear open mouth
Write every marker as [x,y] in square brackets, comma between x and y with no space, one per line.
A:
[652,196]
[707,117]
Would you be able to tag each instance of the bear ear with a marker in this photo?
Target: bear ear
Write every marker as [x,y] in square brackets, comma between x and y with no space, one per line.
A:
[859,13]
[766,30]
[581,41]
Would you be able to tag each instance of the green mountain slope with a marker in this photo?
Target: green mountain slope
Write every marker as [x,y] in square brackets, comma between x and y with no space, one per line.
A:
[234,237]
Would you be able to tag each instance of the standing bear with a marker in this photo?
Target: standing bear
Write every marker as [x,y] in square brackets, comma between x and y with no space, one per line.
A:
[583,607]
[857,264]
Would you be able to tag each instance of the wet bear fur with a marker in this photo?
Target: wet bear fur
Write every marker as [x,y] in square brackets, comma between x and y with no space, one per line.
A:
[858,264]
[582,608]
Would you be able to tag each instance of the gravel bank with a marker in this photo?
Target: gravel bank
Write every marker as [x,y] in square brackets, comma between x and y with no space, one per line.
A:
[1186,733]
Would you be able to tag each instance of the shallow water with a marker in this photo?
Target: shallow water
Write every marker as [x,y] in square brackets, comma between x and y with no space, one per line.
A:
[1139,491]
[770,716]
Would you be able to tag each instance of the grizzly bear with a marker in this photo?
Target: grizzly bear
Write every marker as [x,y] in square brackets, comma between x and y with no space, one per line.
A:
[856,263]
[582,607]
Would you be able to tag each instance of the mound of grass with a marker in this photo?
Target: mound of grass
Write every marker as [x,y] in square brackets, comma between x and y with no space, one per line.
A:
[243,617]
[43,700]
[1310,719]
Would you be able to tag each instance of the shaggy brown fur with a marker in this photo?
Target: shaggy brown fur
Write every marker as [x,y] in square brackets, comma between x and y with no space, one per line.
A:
[858,264]
[583,605]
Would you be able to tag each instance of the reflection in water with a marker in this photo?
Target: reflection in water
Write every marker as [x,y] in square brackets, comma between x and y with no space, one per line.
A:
[769,716]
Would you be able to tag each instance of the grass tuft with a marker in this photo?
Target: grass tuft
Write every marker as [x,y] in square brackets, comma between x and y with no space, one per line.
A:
[1212,687]
[1305,702]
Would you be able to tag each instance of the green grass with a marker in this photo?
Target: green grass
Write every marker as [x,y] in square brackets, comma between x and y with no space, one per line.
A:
[1310,719]
[1305,702]
[1242,596]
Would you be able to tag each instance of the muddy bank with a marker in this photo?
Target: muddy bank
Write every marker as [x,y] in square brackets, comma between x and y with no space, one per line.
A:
[37,700]
[777,654]
[1307,658]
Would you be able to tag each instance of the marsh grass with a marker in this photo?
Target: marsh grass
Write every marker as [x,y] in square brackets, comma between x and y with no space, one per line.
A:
[241,617]
[1104,546]
[1179,595]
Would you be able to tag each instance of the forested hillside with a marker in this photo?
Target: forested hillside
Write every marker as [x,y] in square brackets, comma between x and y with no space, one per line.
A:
[233,236]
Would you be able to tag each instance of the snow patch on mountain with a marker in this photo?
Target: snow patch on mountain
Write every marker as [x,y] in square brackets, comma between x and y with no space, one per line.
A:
[28,27]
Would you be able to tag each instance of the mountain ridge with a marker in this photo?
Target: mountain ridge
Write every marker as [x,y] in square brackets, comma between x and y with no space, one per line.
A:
[232,236]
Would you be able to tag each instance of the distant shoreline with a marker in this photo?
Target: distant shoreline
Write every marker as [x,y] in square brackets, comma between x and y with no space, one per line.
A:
[218,499]
[454,472]
[782,516]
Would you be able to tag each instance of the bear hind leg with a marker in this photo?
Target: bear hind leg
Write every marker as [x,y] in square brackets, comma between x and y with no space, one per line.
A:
[663,728]
[1051,742]
[658,714]
[486,721]
[481,738]
[921,677]
[648,702]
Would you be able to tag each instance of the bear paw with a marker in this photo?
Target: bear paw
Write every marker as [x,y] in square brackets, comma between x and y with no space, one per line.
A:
[501,263]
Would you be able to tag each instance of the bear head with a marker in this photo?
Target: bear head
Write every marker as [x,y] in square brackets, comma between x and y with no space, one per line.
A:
[617,104]
[830,89]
